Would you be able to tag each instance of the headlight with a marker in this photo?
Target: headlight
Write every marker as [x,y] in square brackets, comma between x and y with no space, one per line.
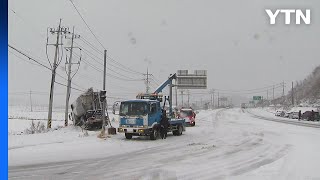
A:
[141,130]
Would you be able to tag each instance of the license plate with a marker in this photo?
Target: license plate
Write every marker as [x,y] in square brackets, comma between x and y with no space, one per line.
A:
[131,121]
[129,130]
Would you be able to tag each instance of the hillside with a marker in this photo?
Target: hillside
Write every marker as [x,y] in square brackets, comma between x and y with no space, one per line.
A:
[308,90]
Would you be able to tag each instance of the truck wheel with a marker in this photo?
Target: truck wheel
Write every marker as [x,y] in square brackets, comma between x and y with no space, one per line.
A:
[154,134]
[128,136]
[179,130]
[194,123]
[175,133]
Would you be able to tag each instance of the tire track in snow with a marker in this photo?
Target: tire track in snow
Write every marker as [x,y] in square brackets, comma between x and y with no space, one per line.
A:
[237,160]
[177,160]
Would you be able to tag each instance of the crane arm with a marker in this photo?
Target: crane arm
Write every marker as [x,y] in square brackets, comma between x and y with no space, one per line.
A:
[165,83]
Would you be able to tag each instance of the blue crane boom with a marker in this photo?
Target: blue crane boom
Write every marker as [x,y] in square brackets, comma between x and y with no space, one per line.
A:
[165,83]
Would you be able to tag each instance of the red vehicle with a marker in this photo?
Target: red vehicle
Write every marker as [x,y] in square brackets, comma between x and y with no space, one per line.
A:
[189,115]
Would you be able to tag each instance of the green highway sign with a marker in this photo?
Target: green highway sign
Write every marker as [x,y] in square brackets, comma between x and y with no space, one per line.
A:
[257,98]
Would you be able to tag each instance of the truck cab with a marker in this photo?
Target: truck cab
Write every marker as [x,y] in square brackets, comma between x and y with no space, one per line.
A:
[141,117]
[145,117]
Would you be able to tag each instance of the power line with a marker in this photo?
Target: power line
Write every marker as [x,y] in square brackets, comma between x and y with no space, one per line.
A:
[70,87]
[100,63]
[115,65]
[100,52]
[226,93]
[249,89]
[155,79]
[33,92]
[87,24]
[91,45]
[30,58]
[116,62]
[110,75]
[36,61]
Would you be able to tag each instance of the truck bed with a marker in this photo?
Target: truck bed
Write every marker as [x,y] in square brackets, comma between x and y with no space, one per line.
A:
[175,121]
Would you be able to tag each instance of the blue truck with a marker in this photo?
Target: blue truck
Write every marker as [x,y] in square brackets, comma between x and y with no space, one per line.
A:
[142,116]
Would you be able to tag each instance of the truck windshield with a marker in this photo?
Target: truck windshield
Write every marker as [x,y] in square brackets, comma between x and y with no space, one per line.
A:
[133,109]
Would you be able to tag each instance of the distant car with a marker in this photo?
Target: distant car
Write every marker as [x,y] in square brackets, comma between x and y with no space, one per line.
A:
[189,115]
[280,113]
[286,115]
[307,115]
[294,115]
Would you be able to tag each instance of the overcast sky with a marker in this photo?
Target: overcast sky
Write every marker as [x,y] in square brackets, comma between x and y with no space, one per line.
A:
[232,40]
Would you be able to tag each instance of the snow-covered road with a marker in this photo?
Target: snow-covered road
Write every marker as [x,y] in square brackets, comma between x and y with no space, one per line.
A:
[225,144]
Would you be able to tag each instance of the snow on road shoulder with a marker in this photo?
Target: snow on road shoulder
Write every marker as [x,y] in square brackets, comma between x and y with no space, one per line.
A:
[65,144]
[68,144]
[270,114]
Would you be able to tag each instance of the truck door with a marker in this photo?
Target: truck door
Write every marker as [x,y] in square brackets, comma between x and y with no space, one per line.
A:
[154,114]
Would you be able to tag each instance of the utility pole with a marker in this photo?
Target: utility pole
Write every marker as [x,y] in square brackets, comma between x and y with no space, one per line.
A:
[283,88]
[176,89]
[53,76]
[273,98]
[212,98]
[273,94]
[170,99]
[30,101]
[283,98]
[292,95]
[188,98]
[147,81]
[69,78]
[218,100]
[104,88]
[181,98]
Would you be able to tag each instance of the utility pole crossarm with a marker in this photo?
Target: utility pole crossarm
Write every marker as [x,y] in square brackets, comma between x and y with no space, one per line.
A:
[147,81]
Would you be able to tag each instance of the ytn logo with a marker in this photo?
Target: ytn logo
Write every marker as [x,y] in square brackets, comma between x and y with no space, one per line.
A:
[287,12]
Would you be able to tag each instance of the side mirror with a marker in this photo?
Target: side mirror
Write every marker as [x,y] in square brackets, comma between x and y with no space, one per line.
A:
[115,108]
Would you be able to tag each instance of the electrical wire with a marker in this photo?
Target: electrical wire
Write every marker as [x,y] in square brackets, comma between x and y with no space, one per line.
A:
[38,63]
[30,58]
[126,78]
[87,24]
[70,87]
[100,63]
[270,86]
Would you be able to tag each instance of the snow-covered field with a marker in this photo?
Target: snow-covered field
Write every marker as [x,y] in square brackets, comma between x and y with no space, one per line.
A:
[20,118]
[225,144]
